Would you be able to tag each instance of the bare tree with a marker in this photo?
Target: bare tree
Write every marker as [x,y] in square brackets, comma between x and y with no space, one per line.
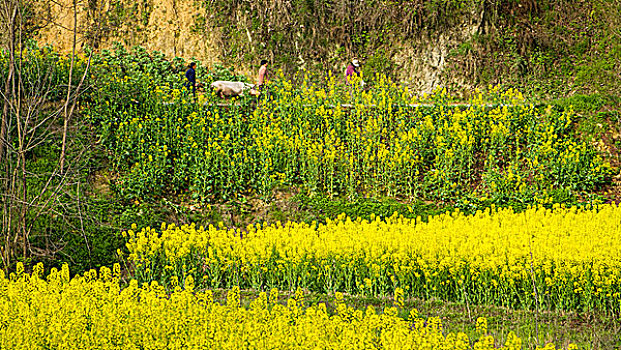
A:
[35,116]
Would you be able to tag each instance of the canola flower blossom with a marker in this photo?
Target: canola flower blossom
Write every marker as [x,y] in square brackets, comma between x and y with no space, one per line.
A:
[93,312]
[379,146]
[573,256]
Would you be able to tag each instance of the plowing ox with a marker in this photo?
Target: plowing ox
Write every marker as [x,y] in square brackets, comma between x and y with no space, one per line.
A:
[228,89]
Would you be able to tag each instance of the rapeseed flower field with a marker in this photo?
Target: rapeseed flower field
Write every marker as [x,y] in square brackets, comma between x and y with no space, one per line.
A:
[311,136]
[314,136]
[560,258]
[93,312]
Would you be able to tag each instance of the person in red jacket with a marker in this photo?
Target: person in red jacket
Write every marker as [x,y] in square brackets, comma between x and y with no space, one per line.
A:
[352,76]
[352,69]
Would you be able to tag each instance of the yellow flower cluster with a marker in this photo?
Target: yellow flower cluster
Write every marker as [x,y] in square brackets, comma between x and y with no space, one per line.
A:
[573,256]
[94,312]
[377,144]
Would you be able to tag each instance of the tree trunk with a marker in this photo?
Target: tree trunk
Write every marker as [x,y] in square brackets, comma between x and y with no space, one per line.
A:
[9,14]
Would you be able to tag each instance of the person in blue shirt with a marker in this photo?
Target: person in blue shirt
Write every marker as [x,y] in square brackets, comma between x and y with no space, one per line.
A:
[190,75]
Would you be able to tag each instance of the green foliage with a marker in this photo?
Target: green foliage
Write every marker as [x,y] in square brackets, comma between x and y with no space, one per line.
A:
[41,68]
[323,207]
[220,72]
[62,219]
[588,104]
[163,145]
[548,49]
[378,63]
[159,144]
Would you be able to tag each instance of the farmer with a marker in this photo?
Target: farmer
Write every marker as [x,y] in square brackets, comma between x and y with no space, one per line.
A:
[263,76]
[352,69]
[190,75]
[352,75]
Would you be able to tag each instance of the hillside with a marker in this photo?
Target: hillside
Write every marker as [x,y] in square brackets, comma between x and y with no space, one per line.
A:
[563,53]
[467,196]
[546,48]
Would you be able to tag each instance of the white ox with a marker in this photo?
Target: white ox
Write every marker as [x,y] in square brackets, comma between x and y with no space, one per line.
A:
[226,89]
